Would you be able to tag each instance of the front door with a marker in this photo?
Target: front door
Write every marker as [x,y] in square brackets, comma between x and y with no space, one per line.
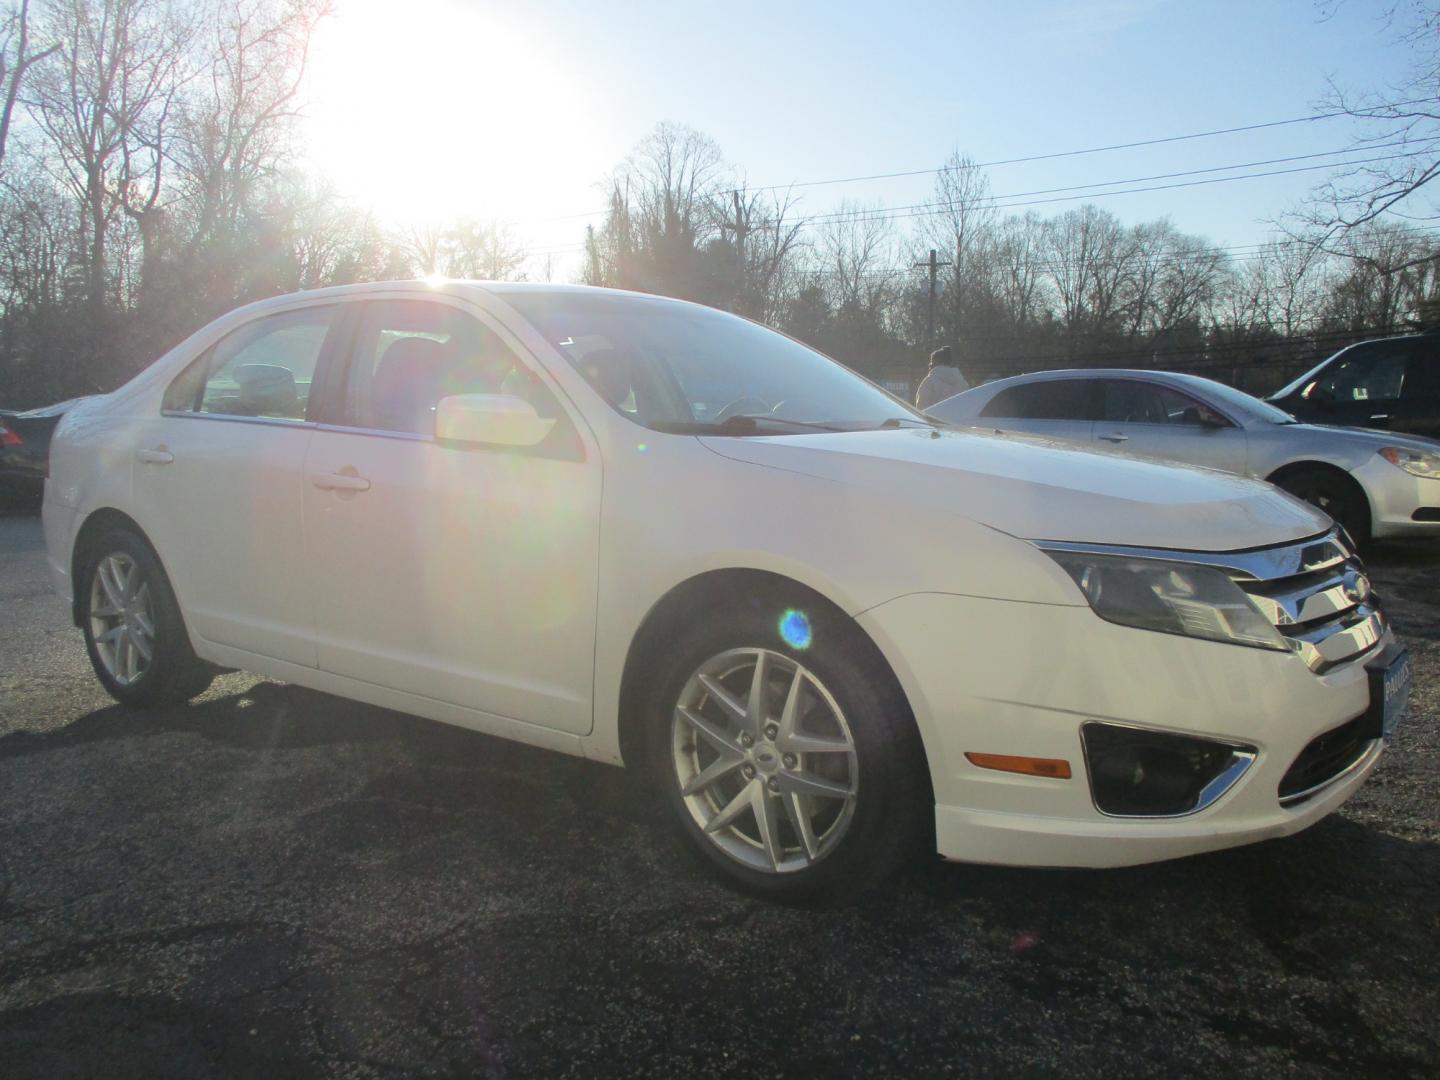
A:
[463,574]
[1156,421]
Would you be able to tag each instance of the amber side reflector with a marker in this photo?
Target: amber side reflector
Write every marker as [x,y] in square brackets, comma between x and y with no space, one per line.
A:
[1055,768]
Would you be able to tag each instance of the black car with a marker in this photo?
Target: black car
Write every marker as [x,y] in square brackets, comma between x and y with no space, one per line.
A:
[1391,383]
[25,449]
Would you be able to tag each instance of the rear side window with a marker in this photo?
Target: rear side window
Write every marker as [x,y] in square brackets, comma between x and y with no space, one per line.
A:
[262,369]
[1054,399]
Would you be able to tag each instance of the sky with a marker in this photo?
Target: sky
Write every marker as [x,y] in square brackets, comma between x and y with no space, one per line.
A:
[429,110]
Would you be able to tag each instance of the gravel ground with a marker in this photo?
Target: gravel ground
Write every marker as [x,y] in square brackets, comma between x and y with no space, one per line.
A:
[276,882]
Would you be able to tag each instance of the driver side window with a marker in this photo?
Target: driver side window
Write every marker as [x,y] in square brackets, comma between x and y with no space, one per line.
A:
[1370,373]
[409,354]
[1129,401]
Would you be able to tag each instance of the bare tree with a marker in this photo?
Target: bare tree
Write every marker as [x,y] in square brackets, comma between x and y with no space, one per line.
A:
[484,250]
[1089,256]
[664,207]
[857,256]
[105,102]
[16,58]
[1404,117]
[236,135]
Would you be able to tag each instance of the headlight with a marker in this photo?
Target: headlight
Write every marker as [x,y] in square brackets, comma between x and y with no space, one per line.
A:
[1173,598]
[1415,462]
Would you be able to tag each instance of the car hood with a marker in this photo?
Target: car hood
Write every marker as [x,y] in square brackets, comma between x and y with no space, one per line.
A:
[1040,489]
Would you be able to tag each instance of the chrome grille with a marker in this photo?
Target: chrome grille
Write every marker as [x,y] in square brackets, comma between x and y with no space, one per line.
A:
[1318,596]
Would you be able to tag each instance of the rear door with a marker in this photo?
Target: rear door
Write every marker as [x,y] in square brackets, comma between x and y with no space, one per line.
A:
[218,482]
[1157,421]
[1056,408]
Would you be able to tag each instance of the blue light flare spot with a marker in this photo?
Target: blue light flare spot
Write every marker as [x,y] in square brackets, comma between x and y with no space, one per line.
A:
[795,629]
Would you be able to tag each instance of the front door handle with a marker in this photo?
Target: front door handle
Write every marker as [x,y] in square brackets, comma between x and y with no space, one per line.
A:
[1380,416]
[1116,438]
[158,456]
[333,481]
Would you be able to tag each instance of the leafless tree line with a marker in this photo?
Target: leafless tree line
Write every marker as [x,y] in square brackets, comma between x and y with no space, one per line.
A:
[149,181]
[1014,291]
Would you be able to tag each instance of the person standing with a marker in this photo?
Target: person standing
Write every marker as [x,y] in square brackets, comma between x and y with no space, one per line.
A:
[943,380]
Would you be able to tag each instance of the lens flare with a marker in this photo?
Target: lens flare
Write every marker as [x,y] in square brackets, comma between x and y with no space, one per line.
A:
[795,629]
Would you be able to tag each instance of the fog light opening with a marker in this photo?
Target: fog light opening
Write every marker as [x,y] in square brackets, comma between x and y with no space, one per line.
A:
[1139,773]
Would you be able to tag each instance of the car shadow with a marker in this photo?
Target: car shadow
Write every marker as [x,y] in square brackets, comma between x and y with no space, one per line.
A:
[451,768]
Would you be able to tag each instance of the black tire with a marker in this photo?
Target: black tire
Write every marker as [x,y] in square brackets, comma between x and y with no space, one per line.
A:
[1333,492]
[173,674]
[893,809]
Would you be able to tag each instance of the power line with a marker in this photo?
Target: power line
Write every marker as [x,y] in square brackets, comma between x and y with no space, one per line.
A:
[1022,160]
[1077,153]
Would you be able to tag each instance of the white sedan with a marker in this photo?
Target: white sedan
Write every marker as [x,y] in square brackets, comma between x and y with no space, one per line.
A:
[648,532]
[1375,483]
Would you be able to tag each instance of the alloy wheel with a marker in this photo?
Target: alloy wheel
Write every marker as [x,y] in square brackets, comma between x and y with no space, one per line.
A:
[122,621]
[765,760]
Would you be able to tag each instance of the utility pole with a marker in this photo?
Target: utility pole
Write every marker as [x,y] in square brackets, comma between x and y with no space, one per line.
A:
[934,268]
[742,226]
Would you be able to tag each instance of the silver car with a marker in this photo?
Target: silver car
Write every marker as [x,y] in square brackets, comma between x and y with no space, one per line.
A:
[1375,483]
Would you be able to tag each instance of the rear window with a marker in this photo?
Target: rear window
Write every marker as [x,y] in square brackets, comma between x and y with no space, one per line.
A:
[1053,399]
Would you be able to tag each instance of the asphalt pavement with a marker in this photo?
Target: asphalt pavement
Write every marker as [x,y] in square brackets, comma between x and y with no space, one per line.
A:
[275,882]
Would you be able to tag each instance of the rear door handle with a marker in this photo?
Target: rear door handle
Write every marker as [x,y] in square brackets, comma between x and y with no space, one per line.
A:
[1116,438]
[1380,416]
[158,456]
[331,481]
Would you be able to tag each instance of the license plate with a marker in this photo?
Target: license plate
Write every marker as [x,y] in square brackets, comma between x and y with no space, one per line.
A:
[1390,693]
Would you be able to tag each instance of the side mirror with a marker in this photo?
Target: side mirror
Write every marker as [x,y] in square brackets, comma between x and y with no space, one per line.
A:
[490,419]
[1210,419]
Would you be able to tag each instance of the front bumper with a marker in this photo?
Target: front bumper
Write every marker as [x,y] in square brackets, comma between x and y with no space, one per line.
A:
[1395,495]
[998,677]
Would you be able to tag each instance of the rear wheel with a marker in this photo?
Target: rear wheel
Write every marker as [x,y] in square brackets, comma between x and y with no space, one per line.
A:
[1335,493]
[794,772]
[134,634]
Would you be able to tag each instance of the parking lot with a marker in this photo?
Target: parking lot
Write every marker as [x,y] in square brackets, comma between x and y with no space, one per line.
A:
[273,881]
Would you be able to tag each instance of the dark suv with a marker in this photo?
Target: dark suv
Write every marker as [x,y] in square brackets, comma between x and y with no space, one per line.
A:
[1391,383]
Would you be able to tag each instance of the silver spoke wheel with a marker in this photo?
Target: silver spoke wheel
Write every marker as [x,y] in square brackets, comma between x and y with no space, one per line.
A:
[765,760]
[122,622]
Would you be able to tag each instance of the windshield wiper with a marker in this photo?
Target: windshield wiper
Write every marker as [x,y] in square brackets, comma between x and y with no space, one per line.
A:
[740,424]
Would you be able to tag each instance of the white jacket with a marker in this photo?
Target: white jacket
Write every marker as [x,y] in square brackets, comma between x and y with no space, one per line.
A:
[939,383]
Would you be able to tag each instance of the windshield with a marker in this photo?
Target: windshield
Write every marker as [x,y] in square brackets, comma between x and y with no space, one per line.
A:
[1239,401]
[1313,373]
[678,367]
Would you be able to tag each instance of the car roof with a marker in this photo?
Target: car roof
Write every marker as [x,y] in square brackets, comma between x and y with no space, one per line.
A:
[442,286]
[1179,378]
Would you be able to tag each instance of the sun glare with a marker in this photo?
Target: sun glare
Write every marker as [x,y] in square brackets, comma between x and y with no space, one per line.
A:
[431,110]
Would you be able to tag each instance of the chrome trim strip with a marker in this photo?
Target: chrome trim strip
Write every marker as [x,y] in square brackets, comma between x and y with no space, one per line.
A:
[1376,747]
[1305,605]
[230,418]
[1328,646]
[385,433]
[1256,564]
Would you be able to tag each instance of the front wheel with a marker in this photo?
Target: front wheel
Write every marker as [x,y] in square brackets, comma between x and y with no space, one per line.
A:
[134,633]
[796,772]
[1334,493]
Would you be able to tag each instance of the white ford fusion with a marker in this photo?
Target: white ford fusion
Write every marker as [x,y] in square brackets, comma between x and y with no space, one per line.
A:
[648,532]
